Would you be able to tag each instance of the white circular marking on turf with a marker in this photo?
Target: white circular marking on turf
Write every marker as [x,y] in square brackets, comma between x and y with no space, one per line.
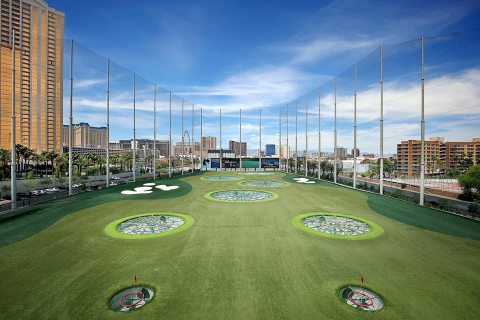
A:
[361,298]
[221,178]
[263,184]
[150,224]
[131,298]
[241,195]
[342,226]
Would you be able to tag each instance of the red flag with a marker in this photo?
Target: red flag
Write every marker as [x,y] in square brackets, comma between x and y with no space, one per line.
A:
[362,280]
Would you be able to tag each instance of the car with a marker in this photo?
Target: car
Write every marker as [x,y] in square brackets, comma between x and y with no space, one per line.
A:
[115,178]
[52,190]
[76,185]
[37,192]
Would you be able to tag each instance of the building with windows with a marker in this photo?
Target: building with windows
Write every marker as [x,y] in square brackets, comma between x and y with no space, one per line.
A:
[38,74]
[439,155]
[269,149]
[85,136]
[342,152]
[240,148]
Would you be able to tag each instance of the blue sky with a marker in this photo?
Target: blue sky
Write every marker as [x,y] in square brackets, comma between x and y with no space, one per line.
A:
[252,54]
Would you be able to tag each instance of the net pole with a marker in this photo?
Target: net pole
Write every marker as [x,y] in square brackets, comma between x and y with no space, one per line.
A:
[134,146]
[70,126]
[240,138]
[306,136]
[319,136]
[170,139]
[335,132]
[154,131]
[381,119]
[260,146]
[183,139]
[107,170]
[13,168]
[355,126]
[422,123]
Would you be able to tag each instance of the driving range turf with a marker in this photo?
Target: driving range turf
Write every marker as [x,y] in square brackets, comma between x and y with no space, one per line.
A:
[237,260]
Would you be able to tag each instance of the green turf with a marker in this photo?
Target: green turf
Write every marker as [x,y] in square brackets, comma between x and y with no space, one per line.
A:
[239,261]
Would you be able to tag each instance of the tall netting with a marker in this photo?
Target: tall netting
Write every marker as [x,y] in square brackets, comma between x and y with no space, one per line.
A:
[452,112]
[344,124]
[368,91]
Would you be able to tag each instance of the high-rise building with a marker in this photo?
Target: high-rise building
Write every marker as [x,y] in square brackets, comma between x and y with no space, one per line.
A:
[355,152]
[240,148]
[269,149]
[38,74]
[179,148]
[209,142]
[342,152]
[85,136]
[437,153]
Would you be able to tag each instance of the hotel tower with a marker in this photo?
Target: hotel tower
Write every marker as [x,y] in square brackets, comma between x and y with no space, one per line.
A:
[38,74]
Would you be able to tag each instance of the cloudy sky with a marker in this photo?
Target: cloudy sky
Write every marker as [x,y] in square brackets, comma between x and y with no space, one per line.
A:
[277,56]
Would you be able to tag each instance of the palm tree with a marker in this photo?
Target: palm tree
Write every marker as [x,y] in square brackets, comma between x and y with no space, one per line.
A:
[44,159]
[5,157]
[52,155]
[27,154]
[36,158]
[61,163]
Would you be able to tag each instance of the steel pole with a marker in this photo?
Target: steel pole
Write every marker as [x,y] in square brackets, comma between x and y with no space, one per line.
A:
[70,126]
[134,160]
[260,146]
[355,126]
[221,151]
[335,132]
[319,136]
[280,139]
[183,140]
[13,162]
[107,169]
[192,142]
[296,137]
[201,139]
[306,136]
[170,140]
[240,138]
[288,148]
[381,119]
[422,160]
[154,131]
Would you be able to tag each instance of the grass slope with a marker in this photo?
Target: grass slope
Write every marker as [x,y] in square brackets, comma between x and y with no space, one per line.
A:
[240,261]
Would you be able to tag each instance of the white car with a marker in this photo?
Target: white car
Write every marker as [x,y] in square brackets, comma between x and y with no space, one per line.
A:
[52,190]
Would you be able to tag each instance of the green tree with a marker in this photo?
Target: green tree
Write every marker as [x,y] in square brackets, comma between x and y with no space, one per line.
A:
[470,181]
[5,157]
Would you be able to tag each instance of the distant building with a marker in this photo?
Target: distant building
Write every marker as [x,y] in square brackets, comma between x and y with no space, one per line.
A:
[85,136]
[437,152]
[186,149]
[368,155]
[240,148]
[355,152]
[209,142]
[269,149]
[342,152]
[161,146]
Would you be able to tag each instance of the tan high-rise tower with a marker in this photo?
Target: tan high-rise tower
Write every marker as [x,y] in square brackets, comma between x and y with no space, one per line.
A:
[39,74]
